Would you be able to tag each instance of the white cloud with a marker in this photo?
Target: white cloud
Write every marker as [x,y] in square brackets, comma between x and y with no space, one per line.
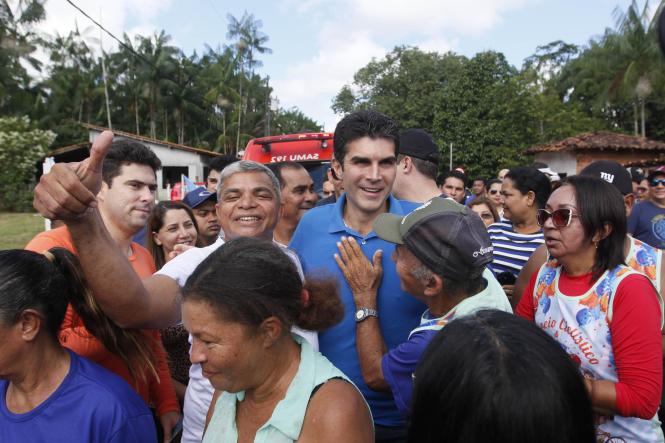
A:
[312,84]
[357,30]
[431,17]
[438,44]
[61,17]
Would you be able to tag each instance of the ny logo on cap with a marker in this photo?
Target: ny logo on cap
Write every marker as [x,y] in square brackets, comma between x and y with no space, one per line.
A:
[607,177]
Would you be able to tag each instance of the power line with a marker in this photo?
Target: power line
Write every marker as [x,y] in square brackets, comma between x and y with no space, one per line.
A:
[120,42]
[212,4]
[203,103]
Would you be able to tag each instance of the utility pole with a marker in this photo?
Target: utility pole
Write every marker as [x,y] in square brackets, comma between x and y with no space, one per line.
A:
[106,88]
[450,165]
[266,130]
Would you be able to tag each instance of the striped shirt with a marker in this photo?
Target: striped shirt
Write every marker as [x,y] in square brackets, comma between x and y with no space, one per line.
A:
[511,250]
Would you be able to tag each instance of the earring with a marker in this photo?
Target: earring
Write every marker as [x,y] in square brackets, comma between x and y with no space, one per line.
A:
[595,244]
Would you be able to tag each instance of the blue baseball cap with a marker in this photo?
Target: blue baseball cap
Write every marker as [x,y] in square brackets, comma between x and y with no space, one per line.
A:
[198,196]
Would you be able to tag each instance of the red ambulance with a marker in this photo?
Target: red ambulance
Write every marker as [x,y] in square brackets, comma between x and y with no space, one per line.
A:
[312,150]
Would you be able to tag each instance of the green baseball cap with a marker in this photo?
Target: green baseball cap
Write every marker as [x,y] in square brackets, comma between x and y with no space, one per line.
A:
[449,238]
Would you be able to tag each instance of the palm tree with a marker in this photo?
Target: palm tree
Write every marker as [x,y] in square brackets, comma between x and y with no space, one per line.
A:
[636,57]
[220,94]
[183,97]
[158,64]
[248,40]
[128,64]
[18,42]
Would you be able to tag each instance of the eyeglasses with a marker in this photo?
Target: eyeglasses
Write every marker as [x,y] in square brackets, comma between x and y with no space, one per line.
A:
[658,181]
[561,218]
[494,191]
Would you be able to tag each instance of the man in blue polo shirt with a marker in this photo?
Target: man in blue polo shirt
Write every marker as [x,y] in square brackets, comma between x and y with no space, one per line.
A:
[441,254]
[366,146]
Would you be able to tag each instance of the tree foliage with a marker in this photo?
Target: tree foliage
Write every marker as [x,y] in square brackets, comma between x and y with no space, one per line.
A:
[491,111]
[21,146]
[485,108]
[214,100]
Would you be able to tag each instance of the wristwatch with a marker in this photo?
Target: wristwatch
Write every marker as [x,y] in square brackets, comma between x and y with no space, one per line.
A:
[363,313]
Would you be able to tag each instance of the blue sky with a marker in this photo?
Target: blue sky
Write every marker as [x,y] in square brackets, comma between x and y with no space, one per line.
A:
[319,44]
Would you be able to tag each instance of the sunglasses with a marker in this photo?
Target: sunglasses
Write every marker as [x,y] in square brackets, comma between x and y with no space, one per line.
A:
[561,218]
[658,181]
[494,191]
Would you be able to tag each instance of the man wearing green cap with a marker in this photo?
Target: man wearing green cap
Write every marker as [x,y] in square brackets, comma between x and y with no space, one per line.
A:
[441,252]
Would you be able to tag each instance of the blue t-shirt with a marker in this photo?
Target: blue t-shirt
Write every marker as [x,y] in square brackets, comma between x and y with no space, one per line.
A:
[647,223]
[91,405]
[399,364]
[315,242]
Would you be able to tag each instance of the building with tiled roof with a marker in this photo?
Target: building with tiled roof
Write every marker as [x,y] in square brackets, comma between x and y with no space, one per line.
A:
[571,155]
[177,159]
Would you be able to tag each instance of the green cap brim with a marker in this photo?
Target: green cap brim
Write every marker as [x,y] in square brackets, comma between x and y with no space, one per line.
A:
[387,227]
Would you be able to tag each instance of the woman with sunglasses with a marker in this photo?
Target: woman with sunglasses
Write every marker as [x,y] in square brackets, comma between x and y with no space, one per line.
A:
[647,221]
[485,210]
[524,190]
[494,194]
[604,314]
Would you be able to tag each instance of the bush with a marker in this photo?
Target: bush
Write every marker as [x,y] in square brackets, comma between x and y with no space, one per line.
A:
[21,147]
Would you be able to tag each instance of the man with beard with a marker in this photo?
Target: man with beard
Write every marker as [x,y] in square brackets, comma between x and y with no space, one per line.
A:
[454,185]
[298,197]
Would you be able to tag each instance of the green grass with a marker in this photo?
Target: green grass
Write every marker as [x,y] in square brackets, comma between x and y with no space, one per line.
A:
[16,230]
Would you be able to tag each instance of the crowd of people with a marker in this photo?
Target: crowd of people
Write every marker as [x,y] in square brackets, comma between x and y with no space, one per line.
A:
[381,311]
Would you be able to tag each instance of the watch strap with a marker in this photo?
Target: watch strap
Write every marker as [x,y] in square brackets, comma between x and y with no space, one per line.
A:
[363,313]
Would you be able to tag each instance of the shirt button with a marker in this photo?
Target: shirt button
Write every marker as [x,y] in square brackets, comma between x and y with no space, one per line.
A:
[363,241]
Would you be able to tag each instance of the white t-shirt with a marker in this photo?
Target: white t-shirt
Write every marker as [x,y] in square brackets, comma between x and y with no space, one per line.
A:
[199,390]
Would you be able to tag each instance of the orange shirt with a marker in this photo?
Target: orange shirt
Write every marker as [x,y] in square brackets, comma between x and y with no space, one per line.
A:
[73,334]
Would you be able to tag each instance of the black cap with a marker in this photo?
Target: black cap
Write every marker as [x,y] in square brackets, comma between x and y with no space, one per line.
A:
[660,170]
[449,238]
[198,196]
[611,172]
[419,144]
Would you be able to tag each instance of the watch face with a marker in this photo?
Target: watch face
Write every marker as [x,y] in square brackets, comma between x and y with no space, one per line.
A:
[360,314]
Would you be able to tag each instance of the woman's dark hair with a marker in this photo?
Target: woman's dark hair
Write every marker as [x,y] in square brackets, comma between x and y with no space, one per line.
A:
[599,204]
[364,123]
[155,223]
[248,280]
[493,181]
[485,201]
[492,376]
[47,283]
[531,179]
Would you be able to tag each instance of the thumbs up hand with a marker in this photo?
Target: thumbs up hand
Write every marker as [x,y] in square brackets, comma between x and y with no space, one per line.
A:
[70,189]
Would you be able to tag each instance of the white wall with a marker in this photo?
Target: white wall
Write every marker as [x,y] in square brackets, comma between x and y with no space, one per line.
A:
[169,157]
[565,162]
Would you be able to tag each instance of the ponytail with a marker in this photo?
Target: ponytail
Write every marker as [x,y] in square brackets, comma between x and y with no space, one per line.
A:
[133,346]
[248,280]
[324,308]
